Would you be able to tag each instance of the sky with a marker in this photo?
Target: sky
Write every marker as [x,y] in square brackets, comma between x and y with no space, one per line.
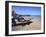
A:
[27,10]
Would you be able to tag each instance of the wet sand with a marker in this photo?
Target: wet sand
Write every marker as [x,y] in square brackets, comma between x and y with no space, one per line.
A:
[35,25]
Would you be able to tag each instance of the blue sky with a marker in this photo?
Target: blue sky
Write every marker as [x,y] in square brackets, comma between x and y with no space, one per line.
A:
[27,10]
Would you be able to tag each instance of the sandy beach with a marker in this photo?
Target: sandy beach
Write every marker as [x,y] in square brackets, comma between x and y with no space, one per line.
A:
[35,25]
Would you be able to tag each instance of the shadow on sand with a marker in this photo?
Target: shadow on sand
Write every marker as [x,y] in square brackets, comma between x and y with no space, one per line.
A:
[24,23]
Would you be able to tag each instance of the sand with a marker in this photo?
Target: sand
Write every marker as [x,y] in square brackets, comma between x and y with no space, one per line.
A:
[35,25]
